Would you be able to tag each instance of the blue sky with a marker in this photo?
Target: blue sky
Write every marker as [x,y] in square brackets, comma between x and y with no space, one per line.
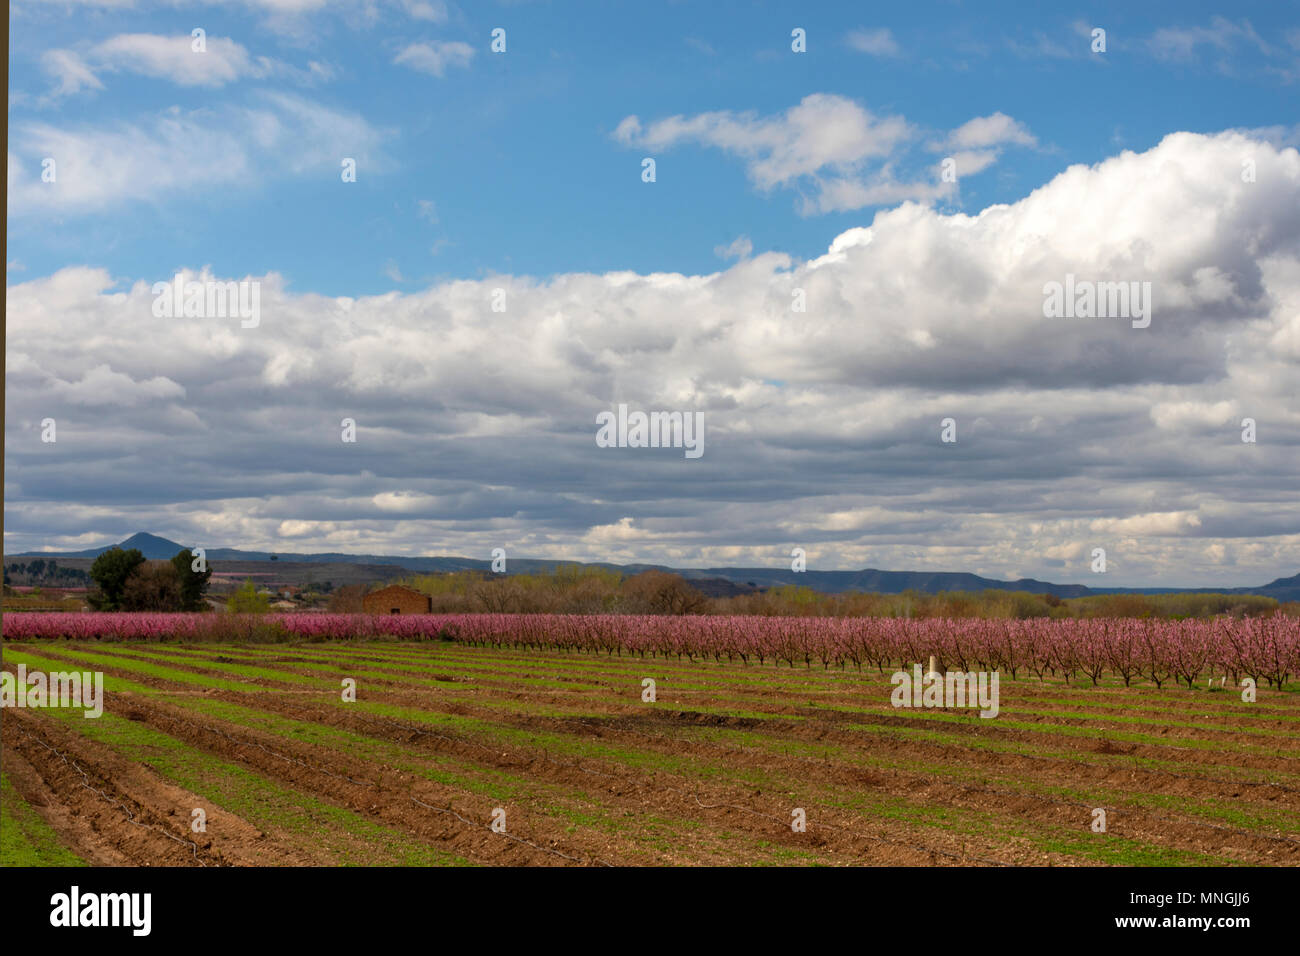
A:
[515,151]
[1166,162]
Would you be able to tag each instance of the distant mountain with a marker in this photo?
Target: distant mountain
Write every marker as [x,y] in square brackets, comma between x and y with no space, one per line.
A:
[1284,589]
[150,545]
[718,581]
[883,582]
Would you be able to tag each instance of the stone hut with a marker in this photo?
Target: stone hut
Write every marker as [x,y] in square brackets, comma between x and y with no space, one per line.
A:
[396,599]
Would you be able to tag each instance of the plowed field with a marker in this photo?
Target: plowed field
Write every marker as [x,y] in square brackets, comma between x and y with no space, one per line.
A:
[442,735]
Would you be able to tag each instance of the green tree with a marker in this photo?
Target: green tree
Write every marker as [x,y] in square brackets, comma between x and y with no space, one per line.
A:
[193,583]
[110,571]
[247,601]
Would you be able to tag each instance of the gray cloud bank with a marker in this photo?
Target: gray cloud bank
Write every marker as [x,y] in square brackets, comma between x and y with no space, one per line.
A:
[476,429]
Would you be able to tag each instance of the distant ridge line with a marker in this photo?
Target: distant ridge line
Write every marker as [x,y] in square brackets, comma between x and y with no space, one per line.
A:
[871,580]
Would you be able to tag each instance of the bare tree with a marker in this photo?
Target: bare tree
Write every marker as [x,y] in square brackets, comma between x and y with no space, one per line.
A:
[658,592]
[153,586]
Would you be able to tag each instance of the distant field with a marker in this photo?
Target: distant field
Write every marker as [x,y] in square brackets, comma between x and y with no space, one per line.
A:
[441,734]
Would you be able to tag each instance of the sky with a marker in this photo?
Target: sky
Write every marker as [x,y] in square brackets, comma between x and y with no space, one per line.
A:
[847,237]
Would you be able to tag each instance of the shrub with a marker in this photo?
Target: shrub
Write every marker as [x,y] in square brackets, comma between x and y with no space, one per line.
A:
[247,601]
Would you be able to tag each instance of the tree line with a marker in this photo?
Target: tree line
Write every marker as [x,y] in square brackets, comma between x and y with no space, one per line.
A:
[42,572]
[573,589]
[127,582]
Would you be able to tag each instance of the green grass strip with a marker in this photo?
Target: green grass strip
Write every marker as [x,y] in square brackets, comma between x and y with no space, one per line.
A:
[25,838]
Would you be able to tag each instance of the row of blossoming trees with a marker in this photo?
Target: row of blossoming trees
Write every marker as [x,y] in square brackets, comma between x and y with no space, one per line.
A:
[1266,649]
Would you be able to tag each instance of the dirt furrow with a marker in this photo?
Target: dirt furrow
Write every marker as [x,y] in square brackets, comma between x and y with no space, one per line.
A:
[837,834]
[385,794]
[121,811]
